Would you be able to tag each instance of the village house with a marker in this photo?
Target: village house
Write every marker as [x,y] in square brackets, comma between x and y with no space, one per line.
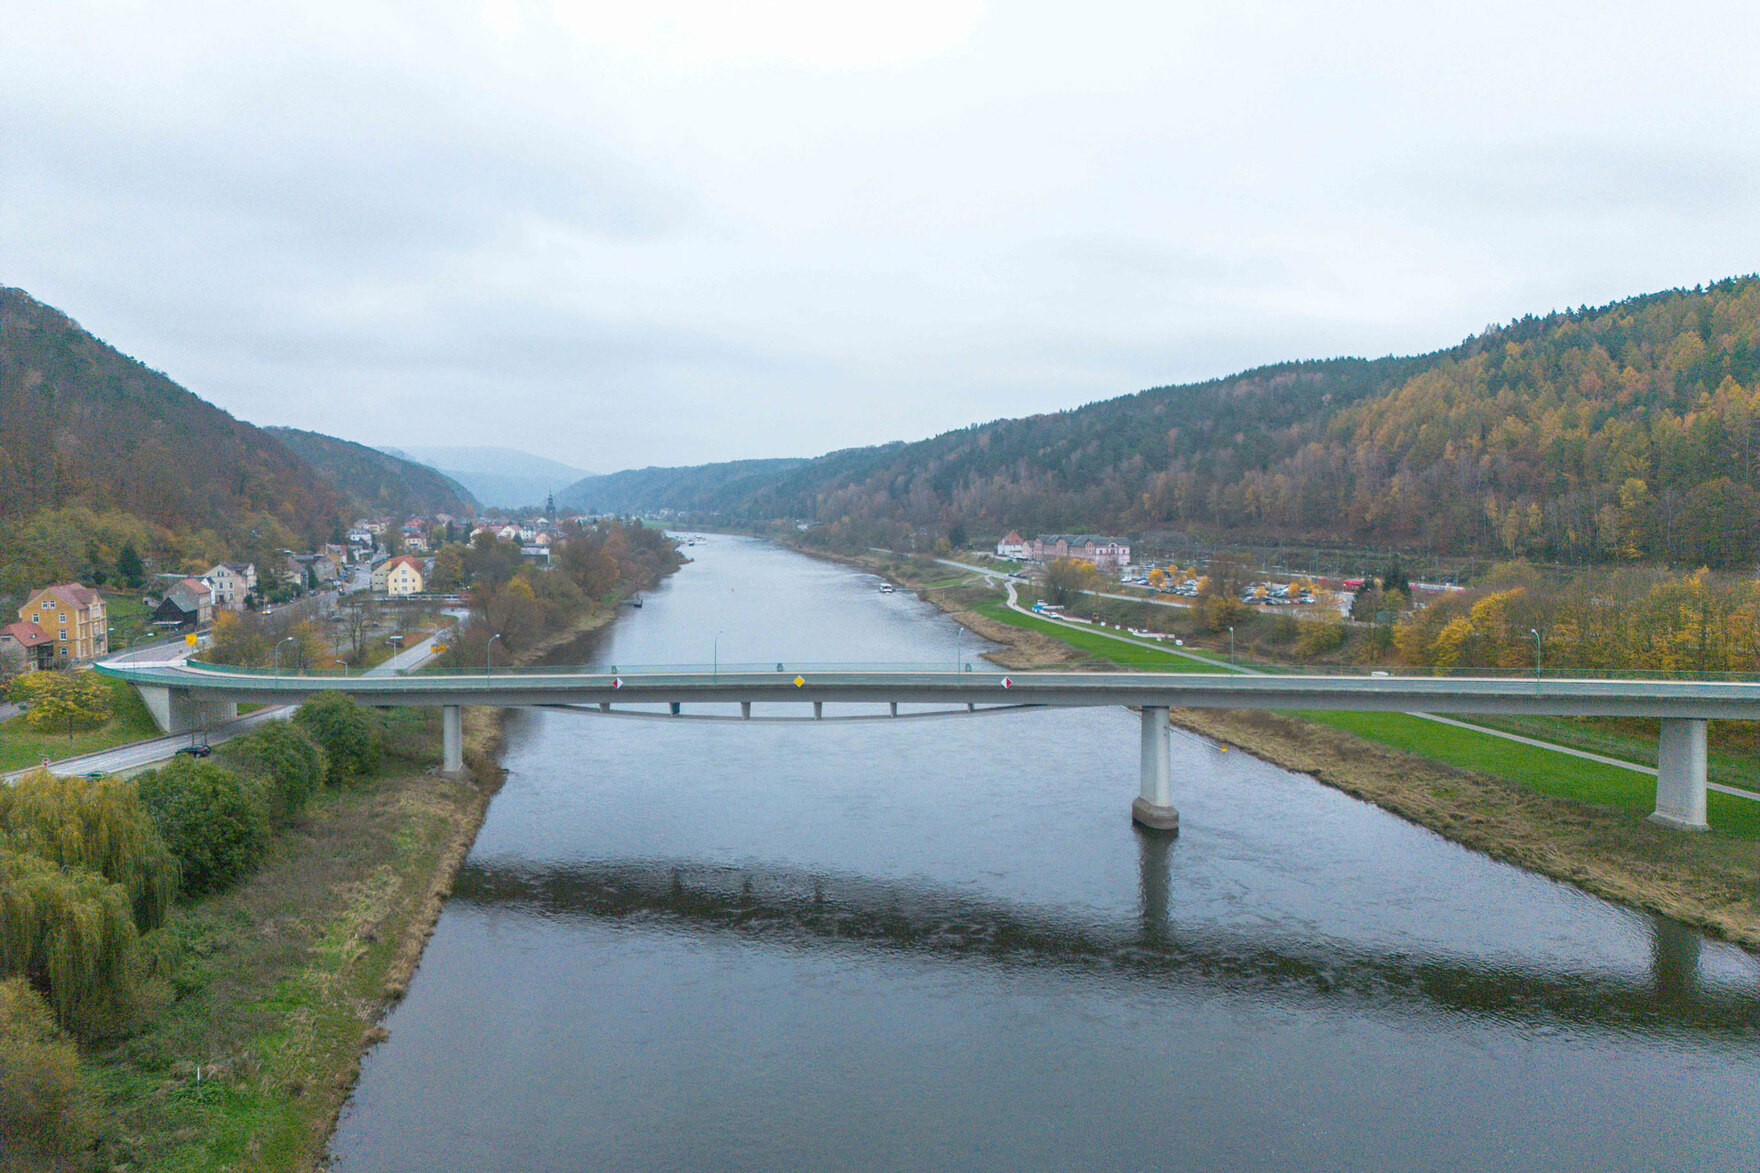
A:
[35,647]
[1014,546]
[1107,554]
[398,577]
[73,617]
[231,582]
[187,605]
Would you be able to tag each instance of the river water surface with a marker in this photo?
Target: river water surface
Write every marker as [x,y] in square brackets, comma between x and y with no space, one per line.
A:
[941,945]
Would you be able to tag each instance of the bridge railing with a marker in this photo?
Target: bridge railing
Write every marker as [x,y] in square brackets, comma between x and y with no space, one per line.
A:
[947,667]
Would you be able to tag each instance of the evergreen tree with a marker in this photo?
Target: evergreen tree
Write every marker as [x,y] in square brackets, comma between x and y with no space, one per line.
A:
[129,567]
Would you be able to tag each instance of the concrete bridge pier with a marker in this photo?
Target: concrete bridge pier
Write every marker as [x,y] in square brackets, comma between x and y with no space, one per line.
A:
[1680,774]
[1153,807]
[452,741]
[179,710]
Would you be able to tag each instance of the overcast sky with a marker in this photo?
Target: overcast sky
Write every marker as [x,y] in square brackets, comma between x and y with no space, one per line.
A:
[656,232]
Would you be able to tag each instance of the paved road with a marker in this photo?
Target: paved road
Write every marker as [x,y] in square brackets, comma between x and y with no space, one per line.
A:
[136,755]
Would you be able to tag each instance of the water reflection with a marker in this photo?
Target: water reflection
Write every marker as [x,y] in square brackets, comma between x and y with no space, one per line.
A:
[801,909]
[938,946]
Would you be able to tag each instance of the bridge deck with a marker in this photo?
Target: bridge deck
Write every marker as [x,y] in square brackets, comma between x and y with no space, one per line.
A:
[1558,696]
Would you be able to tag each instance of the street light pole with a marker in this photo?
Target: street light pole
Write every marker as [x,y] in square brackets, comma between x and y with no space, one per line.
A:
[287,640]
[487,648]
[1535,632]
[717,653]
[1231,645]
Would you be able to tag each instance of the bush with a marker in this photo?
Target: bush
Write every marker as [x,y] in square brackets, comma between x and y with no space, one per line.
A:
[96,824]
[213,824]
[346,732]
[1321,638]
[69,932]
[287,761]
[45,1111]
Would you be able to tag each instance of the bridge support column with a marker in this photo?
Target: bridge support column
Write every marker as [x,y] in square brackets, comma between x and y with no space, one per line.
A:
[818,710]
[1153,807]
[1680,775]
[745,709]
[452,741]
[181,710]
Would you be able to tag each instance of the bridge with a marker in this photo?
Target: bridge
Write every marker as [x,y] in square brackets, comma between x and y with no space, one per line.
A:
[192,695]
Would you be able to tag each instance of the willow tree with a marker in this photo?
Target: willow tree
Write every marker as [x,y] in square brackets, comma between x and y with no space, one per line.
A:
[96,824]
[70,933]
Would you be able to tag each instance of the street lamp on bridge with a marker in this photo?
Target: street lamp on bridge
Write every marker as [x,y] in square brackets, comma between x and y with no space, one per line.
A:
[487,649]
[287,640]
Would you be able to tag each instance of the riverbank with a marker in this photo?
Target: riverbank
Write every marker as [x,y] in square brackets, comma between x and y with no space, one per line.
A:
[276,987]
[1711,881]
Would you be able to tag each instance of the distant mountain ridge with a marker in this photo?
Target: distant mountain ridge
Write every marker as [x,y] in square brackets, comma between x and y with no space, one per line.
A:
[376,483]
[506,478]
[697,488]
[1626,432]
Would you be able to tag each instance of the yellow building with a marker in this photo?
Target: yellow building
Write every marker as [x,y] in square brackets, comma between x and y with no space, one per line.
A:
[74,617]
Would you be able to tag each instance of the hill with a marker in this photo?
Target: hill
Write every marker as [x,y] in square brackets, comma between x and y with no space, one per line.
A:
[702,488]
[376,483]
[1625,432]
[506,478]
[98,450]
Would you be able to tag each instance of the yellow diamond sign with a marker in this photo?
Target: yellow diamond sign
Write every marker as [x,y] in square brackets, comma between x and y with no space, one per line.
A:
[800,681]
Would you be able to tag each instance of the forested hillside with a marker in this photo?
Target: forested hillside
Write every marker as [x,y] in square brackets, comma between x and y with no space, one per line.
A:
[1627,432]
[97,452]
[375,483]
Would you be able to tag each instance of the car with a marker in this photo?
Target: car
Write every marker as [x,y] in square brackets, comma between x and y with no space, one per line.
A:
[196,751]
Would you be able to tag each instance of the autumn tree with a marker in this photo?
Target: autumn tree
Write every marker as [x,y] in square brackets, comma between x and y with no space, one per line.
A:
[63,701]
[1067,579]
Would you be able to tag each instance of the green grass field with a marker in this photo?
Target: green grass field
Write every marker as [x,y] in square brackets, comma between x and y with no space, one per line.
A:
[1122,650]
[22,746]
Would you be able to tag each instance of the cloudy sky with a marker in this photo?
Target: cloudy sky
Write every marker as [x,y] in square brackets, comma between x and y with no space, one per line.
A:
[664,232]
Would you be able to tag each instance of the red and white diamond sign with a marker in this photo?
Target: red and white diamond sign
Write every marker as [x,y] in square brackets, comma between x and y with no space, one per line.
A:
[1007,683]
[617,682]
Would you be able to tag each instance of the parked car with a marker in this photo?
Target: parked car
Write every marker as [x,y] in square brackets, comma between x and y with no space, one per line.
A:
[196,751]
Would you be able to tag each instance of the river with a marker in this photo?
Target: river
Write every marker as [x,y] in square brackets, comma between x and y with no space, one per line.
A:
[941,945]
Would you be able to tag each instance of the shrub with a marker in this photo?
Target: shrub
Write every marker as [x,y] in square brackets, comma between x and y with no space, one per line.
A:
[1320,638]
[69,932]
[213,824]
[347,733]
[96,824]
[286,759]
[45,1110]
[63,700]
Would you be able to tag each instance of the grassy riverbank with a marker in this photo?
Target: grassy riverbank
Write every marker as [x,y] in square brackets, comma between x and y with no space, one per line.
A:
[1569,818]
[279,983]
